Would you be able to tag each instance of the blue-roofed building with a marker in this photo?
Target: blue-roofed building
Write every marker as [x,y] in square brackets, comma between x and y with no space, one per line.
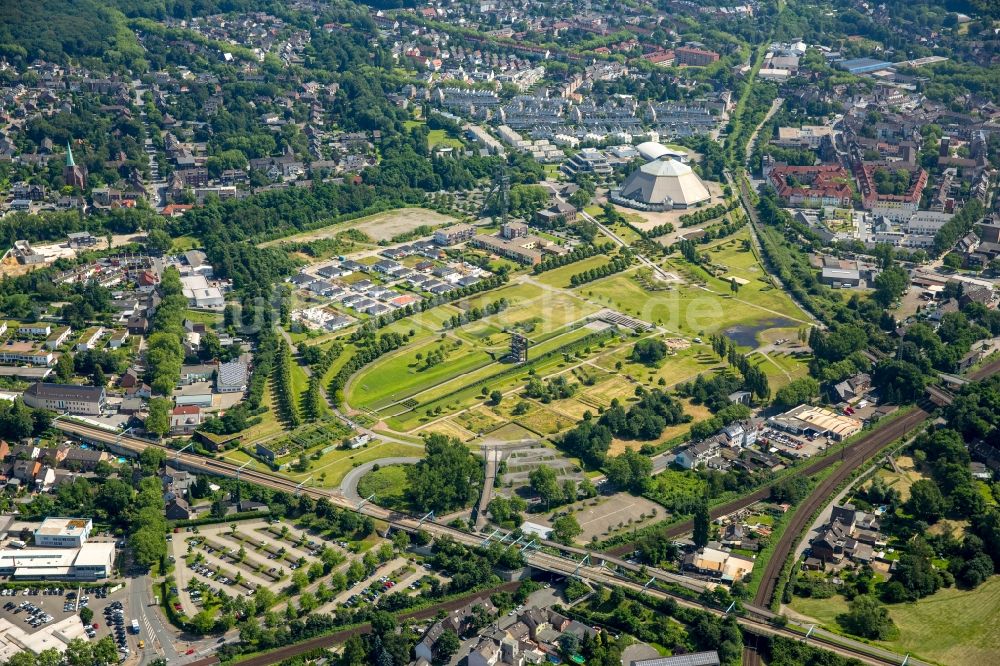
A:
[863,65]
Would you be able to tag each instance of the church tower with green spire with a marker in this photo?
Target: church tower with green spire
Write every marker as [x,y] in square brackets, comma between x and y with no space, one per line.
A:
[73,175]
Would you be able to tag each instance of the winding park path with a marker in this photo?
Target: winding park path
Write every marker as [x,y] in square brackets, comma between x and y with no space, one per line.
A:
[349,486]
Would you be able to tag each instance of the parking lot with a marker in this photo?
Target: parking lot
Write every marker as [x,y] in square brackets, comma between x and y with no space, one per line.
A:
[792,445]
[41,609]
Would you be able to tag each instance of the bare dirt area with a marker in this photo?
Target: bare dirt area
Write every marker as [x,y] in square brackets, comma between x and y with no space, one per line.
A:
[381,226]
[603,515]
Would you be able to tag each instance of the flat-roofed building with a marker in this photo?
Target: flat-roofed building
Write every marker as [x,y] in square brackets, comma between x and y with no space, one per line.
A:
[91,561]
[24,353]
[63,532]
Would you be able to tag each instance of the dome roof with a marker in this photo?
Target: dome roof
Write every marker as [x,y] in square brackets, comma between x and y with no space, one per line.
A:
[651,150]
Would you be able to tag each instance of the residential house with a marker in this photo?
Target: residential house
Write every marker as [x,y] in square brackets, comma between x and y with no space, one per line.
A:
[700,453]
[853,388]
[85,460]
[185,419]
[850,533]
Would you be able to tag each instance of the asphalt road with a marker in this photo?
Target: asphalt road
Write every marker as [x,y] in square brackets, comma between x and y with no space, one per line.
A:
[349,486]
[153,628]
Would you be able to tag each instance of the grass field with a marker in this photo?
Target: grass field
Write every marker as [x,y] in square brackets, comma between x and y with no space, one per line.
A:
[953,627]
[330,469]
[464,390]
[184,243]
[560,277]
[202,317]
[399,376]
[380,226]
[689,310]
[439,137]
[388,485]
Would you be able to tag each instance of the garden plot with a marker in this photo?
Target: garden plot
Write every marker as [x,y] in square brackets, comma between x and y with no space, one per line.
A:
[521,462]
[295,544]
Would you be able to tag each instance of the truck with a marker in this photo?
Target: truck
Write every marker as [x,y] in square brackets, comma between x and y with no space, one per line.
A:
[135,626]
[17,543]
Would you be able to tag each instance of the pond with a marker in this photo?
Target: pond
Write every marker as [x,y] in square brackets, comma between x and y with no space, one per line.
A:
[745,335]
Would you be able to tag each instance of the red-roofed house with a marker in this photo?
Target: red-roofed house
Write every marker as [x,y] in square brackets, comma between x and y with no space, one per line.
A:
[812,186]
[185,419]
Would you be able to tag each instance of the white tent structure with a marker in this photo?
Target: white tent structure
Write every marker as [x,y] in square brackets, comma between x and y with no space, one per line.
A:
[651,150]
[662,184]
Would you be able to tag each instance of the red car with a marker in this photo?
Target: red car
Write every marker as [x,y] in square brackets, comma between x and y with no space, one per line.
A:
[191,651]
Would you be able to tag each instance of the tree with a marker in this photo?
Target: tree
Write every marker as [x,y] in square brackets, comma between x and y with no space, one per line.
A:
[448,643]
[867,618]
[448,478]
[86,615]
[203,622]
[649,352]
[890,284]
[702,523]
[795,393]
[158,241]
[496,397]
[565,529]
[158,420]
[545,482]
[65,368]
[926,501]
[629,471]
[915,572]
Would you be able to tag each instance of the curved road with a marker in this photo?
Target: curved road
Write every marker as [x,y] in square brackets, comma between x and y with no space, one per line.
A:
[349,486]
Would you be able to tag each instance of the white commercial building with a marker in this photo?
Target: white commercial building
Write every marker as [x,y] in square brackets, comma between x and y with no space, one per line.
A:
[91,561]
[63,532]
[200,294]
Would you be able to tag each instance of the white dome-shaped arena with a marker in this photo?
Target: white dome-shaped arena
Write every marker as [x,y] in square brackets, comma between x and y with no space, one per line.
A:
[662,184]
[651,150]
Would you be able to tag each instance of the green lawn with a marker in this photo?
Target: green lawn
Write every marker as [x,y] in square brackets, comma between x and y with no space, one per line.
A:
[399,376]
[560,277]
[388,485]
[690,310]
[183,244]
[463,391]
[953,627]
[332,467]
[682,366]
[439,137]
[202,317]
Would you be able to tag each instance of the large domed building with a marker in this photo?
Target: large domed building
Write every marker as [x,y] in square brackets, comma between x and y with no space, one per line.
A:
[651,150]
[661,184]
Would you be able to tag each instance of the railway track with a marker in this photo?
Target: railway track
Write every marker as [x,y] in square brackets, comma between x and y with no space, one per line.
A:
[864,450]
[876,438]
[855,457]
[755,620]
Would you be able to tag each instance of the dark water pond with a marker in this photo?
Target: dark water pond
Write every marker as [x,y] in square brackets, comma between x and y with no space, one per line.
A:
[746,336]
